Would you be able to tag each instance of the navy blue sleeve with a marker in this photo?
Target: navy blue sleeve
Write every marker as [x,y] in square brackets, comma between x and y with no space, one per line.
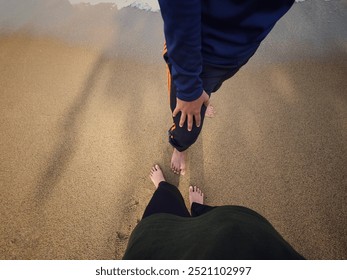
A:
[182,29]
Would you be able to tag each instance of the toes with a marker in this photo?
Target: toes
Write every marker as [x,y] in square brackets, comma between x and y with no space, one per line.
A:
[154,169]
[177,170]
[196,189]
[174,169]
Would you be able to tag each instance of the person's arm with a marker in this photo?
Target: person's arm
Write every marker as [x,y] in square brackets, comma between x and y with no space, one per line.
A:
[182,28]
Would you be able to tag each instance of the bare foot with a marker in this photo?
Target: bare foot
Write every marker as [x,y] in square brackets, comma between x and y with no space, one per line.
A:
[156,175]
[178,162]
[210,111]
[195,195]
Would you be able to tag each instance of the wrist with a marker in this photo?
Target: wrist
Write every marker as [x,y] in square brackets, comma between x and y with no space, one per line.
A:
[192,96]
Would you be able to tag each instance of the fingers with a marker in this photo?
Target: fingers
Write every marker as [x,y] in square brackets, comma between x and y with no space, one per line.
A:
[190,111]
[182,119]
[197,120]
[183,115]
[176,111]
[190,122]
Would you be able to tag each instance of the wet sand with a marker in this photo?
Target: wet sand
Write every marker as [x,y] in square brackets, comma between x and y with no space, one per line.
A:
[82,122]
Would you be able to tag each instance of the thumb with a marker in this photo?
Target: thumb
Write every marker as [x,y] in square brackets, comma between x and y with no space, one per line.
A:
[175,112]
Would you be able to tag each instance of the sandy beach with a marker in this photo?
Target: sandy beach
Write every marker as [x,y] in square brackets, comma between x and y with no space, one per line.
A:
[84,115]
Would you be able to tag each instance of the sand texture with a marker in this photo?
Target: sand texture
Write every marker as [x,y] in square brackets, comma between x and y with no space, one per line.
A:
[84,115]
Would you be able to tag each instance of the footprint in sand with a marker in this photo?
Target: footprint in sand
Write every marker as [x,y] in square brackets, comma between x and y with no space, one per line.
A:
[121,236]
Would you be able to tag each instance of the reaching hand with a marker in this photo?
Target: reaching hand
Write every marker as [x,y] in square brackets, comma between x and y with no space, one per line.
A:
[191,110]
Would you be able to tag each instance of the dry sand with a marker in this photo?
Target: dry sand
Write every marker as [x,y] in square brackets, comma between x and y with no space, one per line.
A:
[82,123]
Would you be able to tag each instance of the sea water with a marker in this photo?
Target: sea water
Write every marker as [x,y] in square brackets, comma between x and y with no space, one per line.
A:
[148,5]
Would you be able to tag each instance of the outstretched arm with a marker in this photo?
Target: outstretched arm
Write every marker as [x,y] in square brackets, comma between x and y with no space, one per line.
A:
[182,28]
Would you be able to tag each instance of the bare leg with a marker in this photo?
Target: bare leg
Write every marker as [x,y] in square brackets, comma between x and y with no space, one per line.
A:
[178,162]
[156,175]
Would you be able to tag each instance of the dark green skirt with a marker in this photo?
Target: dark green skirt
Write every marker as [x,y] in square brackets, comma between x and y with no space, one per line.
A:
[226,232]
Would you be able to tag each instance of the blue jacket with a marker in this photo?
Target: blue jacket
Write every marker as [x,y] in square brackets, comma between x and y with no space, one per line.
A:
[214,32]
